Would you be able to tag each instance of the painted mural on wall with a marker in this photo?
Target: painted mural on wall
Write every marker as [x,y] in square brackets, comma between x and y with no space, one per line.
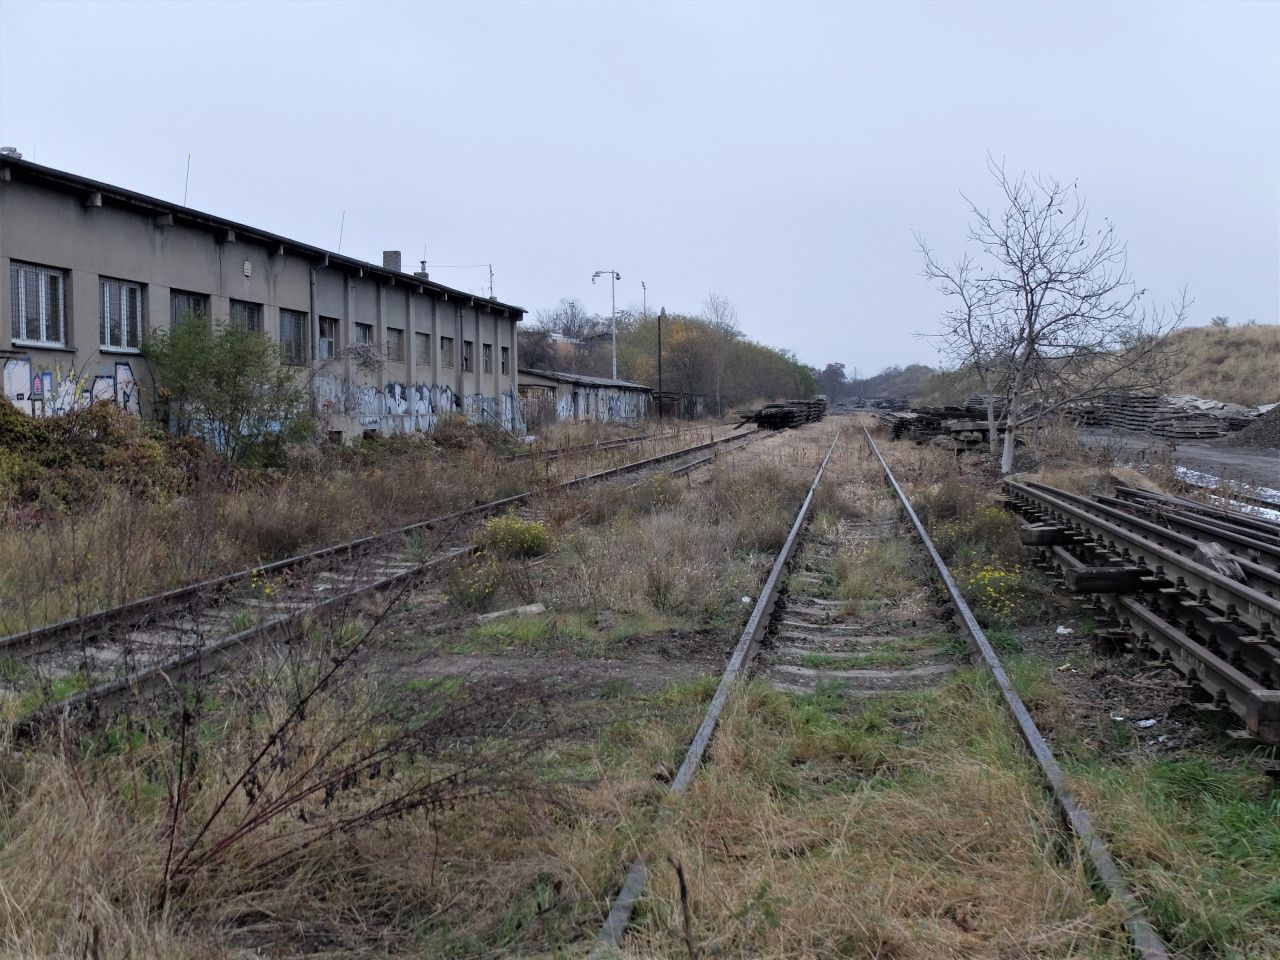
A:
[50,393]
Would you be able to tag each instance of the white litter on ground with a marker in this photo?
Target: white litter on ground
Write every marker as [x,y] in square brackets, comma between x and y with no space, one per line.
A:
[1063,631]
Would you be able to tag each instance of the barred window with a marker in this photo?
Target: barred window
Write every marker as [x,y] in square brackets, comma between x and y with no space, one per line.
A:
[446,352]
[38,301]
[293,337]
[120,320]
[246,316]
[422,349]
[467,362]
[506,361]
[328,338]
[184,305]
[486,356]
[395,344]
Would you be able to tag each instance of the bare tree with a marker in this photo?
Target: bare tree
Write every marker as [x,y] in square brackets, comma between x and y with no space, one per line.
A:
[721,319]
[969,335]
[1049,314]
[568,319]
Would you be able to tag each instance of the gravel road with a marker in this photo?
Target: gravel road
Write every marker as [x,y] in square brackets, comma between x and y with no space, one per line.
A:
[1255,465]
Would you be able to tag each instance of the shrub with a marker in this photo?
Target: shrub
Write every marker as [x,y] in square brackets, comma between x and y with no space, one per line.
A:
[228,386]
[510,538]
[1001,596]
[70,459]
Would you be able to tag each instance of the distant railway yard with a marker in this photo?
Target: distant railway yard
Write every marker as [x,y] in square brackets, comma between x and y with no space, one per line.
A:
[706,691]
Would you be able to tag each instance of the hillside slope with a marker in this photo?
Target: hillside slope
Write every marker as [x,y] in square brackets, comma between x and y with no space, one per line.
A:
[1234,364]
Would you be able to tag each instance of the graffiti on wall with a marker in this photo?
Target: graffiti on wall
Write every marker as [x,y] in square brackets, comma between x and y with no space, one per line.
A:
[601,403]
[405,408]
[51,393]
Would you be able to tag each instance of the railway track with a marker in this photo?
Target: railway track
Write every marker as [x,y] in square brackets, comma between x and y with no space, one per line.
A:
[1193,586]
[617,443]
[808,621]
[90,663]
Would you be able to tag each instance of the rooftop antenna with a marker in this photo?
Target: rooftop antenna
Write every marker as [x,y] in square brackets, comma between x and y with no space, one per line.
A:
[187,182]
[467,266]
[341,226]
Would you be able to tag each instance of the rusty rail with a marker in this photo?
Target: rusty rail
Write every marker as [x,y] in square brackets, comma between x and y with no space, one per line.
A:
[615,925]
[139,614]
[1217,631]
[1146,941]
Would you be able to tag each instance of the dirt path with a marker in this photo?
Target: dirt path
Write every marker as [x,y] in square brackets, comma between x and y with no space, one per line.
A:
[1254,465]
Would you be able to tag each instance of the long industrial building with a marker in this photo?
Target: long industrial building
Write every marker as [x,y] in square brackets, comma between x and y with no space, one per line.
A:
[89,268]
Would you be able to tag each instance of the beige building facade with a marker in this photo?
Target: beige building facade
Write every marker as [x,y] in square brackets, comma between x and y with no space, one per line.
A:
[89,269]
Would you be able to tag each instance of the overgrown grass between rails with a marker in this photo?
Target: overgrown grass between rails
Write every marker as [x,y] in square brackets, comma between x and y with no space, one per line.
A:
[908,826]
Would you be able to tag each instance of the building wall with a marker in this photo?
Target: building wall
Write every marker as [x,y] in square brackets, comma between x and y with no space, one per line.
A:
[579,401]
[357,391]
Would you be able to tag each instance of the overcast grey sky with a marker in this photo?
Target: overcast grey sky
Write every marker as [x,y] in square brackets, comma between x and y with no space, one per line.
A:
[777,154]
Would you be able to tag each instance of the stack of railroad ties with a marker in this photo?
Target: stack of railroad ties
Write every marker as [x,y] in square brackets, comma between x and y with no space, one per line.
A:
[1193,585]
[1174,418]
[791,413]
[1182,417]
[959,428]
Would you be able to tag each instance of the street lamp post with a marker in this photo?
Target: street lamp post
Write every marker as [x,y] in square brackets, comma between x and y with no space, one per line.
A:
[662,315]
[614,276]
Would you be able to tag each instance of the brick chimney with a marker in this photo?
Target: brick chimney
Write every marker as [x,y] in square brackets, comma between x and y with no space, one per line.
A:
[391,260]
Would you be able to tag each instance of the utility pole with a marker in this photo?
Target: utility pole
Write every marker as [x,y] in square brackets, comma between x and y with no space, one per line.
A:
[614,277]
[662,315]
[644,301]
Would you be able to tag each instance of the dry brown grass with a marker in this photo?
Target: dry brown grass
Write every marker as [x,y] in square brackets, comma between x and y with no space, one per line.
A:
[128,544]
[825,830]
[1234,364]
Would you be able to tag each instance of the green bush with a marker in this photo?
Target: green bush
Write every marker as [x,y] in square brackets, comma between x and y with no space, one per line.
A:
[510,538]
[227,386]
[70,459]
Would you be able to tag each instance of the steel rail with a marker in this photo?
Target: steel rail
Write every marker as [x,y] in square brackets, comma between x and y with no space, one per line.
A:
[1146,941]
[1211,649]
[47,635]
[1239,540]
[164,670]
[1259,525]
[615,924]
[1232,494]
[554,453]
[1160,547]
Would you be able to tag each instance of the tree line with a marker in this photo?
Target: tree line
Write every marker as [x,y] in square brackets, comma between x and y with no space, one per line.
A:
[703,353]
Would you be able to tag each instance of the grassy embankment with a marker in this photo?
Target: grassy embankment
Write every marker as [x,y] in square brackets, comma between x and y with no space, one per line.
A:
[97,509]
[906,826]
[292,809]
[1232,364]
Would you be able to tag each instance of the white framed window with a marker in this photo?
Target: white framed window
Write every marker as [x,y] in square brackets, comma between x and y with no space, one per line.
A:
[38,296]
[293,337]
[486,356]
[446,352]
[364,333]
[468,361]
[120,320]
[506,361]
